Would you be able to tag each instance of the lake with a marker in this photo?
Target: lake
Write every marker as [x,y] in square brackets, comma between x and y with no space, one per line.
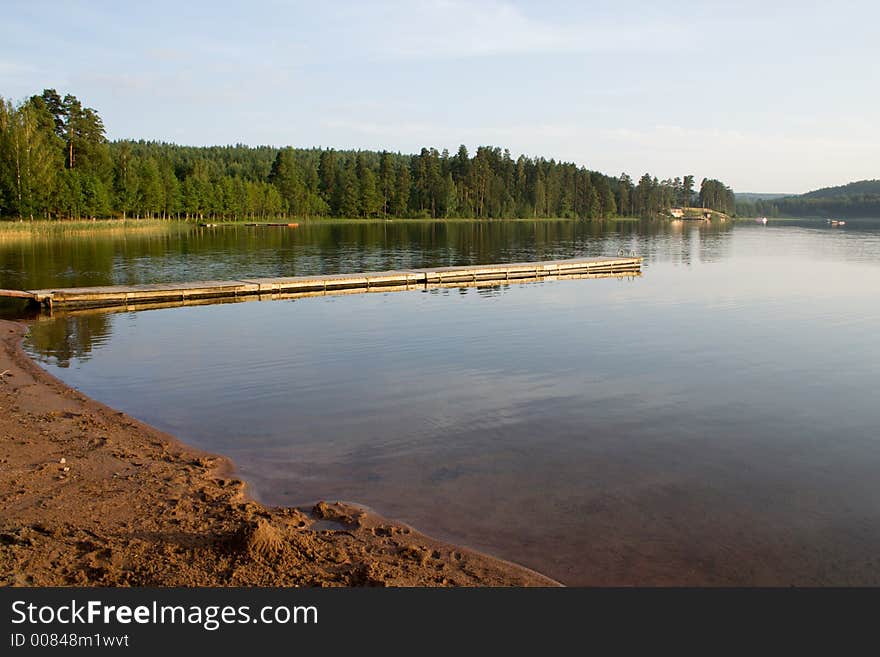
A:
[713,421]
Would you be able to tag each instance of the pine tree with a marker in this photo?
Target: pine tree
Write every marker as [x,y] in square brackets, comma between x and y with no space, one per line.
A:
[347,191]
[370,199]
[594,207]
[287,178]
[624,195]
[149,189]
[687,190]
[386,179]
[327,175]
[402,189]
[171,192]
[126,180]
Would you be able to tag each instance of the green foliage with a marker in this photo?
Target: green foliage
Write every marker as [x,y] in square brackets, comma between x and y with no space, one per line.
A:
[857,199]
[370,201]
[29,160]
[715,195]
[853,189]
[399,202]
[55,161]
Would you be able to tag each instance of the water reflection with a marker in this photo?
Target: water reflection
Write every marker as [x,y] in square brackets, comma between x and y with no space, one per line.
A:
[193,253]
[711,422]
[74,337]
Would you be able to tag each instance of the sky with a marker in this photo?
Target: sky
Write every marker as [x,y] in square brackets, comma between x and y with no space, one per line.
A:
[769,96]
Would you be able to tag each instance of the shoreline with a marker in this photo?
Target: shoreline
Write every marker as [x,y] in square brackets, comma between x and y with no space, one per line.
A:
[94,497]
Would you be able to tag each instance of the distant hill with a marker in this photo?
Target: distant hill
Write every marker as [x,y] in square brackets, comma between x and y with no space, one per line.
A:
[856,199]
[749,197]
[851,189]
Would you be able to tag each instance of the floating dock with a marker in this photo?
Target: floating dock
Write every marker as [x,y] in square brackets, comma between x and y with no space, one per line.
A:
[131,296]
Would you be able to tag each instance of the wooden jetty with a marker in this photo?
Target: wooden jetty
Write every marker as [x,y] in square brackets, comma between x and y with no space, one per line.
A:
[214,291]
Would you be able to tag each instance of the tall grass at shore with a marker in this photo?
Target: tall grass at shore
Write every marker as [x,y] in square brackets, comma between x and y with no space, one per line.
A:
[12,231]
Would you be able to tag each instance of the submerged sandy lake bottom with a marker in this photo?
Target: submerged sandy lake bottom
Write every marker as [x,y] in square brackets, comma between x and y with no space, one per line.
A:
[715,421]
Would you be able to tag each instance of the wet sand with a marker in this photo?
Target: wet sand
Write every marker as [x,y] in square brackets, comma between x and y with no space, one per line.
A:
[93,497]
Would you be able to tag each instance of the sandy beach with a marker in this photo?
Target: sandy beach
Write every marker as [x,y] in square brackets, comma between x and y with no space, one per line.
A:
[93,497]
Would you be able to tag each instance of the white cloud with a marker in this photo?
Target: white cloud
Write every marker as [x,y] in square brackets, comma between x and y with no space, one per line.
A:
[457,29]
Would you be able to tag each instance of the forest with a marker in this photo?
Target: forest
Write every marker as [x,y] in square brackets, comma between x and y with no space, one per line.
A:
[856,199]
[56,162]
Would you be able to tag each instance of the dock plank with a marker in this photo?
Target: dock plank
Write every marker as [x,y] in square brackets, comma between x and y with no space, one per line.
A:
[16,294]
[183,292]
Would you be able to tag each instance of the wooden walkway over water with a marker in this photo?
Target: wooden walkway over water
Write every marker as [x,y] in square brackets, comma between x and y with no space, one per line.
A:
[213,291]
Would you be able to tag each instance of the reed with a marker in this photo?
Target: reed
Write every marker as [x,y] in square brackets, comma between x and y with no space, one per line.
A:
[16,231]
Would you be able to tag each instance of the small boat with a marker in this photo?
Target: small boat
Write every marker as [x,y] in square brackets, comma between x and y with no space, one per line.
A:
[761,220]
[836,222]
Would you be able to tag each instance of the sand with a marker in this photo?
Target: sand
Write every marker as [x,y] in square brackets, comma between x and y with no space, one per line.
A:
[92,497]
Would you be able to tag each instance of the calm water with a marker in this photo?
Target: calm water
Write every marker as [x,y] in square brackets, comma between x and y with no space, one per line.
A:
[714,421]
[189,253]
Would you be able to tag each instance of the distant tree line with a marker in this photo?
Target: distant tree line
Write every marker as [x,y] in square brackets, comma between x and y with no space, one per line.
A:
[857,199]
[55,161]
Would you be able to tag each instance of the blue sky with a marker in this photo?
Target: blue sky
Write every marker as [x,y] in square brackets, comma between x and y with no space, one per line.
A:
[767,96]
